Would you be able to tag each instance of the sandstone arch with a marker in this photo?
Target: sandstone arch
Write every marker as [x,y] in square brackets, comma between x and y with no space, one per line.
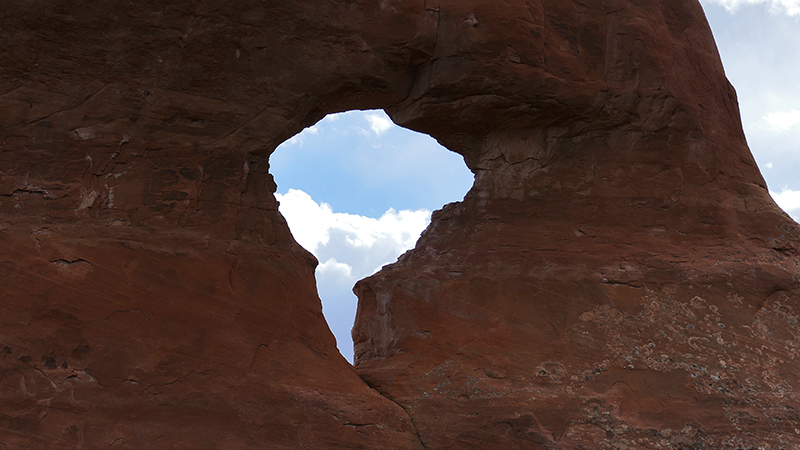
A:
[154,297]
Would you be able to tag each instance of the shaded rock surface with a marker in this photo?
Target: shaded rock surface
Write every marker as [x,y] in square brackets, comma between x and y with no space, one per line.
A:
[618,276]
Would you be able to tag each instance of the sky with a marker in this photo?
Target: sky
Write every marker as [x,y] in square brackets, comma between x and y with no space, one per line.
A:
[357,190]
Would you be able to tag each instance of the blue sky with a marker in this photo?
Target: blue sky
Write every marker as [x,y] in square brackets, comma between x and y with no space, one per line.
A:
[759,41]
[361,163]
[358,190]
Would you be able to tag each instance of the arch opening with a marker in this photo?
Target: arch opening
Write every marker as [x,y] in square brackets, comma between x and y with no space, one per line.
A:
[357,191]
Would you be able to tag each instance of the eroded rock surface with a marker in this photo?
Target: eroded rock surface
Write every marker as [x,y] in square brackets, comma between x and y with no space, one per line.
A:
[618,276]
[152,295]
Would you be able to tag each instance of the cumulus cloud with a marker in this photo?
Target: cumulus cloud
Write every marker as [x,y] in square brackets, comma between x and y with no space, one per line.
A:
[332,266]
[351,246]
[333,275]
[789,201]
[782,121]
[790,7]
[379,123]
[300,137]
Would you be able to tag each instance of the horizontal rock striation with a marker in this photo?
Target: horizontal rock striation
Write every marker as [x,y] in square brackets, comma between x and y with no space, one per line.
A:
[617,277]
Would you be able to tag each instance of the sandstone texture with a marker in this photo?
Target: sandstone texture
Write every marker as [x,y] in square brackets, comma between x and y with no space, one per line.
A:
[617,278]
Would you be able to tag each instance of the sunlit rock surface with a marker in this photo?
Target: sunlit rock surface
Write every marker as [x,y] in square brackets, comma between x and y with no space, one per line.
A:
[618,277]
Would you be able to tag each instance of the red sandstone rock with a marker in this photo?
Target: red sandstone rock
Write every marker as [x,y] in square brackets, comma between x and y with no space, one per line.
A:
[152,296]
[618,277]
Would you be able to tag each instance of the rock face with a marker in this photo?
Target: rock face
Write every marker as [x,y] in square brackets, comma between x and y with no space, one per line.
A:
[618,276]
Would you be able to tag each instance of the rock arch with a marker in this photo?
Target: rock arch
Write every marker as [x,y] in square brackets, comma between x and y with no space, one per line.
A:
[154,296]
[357,191]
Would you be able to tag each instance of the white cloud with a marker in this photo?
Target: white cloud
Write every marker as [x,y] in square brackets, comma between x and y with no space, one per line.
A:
[782,121]
[350,247]
[379,123]
[306,218]
[363,244]
[335,277]
[789,201]
[332,266]
[769,165]
[299,138]
[790,7]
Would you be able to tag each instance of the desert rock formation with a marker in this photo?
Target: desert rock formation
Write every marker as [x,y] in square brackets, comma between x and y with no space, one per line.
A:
[617,277]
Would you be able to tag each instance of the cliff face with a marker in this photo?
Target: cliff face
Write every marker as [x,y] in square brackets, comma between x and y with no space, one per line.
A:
[617,277]
[152,295]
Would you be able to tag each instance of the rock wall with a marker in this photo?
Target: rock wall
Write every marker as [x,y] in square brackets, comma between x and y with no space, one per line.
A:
[152,295]
[617,277]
